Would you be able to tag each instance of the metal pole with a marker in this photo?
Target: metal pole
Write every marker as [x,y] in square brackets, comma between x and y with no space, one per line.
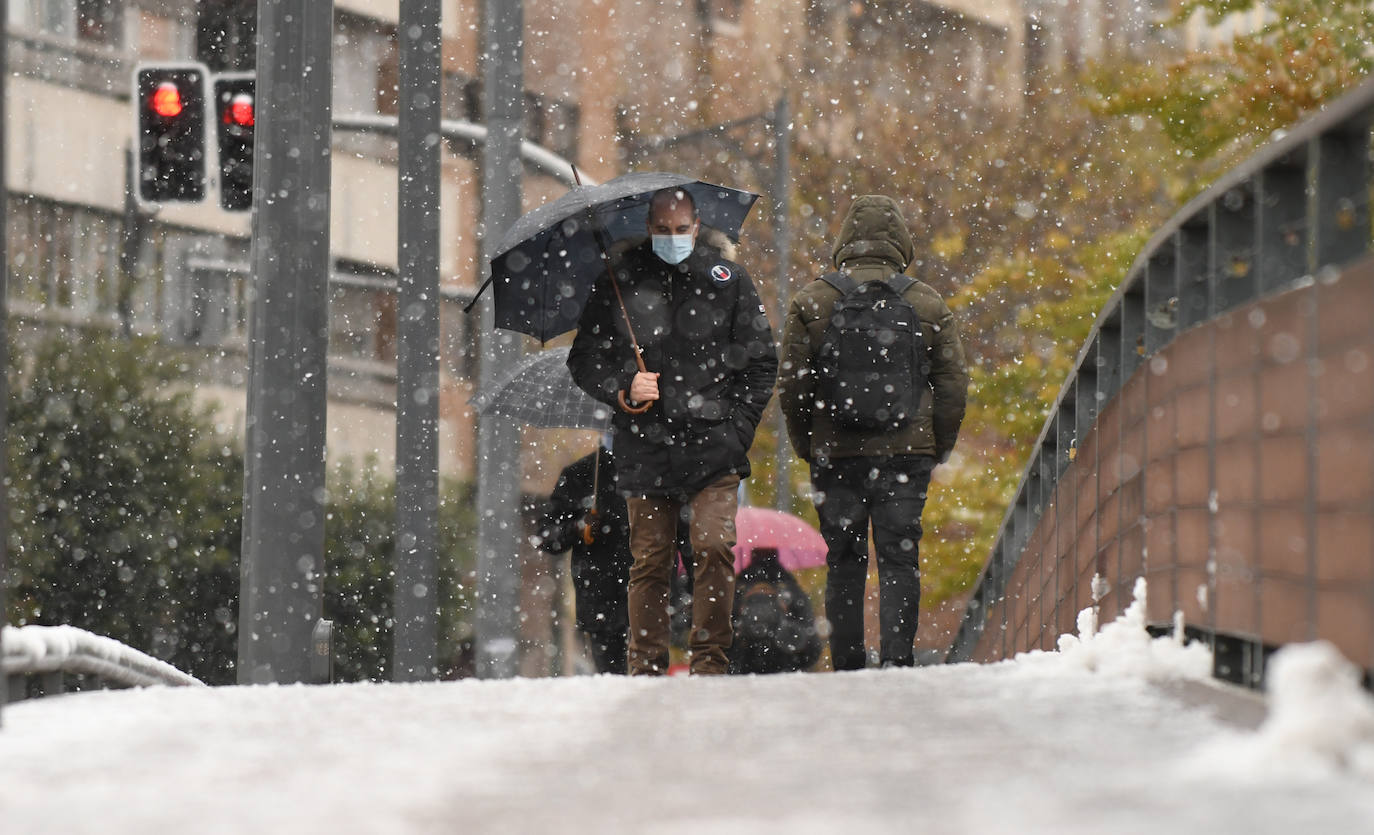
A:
[468,137]
[782,245]
[4,342]
[129,244]
[417,346]
[280,596]
[498,441]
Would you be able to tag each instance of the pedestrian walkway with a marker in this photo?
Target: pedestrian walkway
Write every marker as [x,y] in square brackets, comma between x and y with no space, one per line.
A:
[1085,741]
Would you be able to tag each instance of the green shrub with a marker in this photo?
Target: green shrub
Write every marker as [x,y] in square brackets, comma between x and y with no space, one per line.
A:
[125,518]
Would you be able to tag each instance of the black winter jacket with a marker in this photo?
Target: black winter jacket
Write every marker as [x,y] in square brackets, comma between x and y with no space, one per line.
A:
[601,570]
[701,327]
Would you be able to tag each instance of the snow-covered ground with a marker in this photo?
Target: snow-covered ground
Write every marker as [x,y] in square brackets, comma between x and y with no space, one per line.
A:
[1113,734]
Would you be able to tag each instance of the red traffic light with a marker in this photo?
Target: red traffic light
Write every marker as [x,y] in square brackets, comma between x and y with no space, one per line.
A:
[239,111]
[166,100]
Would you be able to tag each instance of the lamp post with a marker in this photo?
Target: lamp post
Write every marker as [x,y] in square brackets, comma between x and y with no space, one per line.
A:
[498,441]
[414,591]
[281,575]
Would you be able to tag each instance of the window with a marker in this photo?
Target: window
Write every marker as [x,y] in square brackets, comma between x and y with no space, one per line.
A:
[63,257]
[100,21]
[472,100]
[561,127]
[89,21]
[216,302]
[818,14]
[389,80]
[726,11]
[362,314]
[552,123]
[459,352]
[226,35]
[460,97]
[361,48]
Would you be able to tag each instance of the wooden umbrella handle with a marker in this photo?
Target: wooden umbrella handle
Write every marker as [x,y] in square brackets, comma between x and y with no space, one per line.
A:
[588,531]
[624,311]
[634,344]
[634,410]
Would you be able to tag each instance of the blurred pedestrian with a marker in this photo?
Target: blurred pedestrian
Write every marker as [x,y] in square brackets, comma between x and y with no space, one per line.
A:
[775,628]
[873,388]
[711,363]
[586,514]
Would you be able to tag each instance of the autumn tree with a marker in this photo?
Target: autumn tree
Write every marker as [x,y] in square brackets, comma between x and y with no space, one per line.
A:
[1219,105]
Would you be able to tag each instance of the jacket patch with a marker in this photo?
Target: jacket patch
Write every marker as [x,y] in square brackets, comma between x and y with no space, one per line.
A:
[721,274]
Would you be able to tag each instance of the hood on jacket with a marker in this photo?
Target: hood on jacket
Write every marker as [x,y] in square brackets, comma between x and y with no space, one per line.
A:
[874,228]
[707,235]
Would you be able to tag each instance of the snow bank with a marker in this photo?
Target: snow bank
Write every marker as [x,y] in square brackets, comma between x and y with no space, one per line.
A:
[1124,647]
[47,649]
[1320,723]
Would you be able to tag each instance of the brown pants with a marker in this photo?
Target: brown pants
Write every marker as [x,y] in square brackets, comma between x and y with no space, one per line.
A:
[653,537]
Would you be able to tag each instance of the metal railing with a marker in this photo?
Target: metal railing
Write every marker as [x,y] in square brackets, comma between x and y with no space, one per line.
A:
[1297,207]
[53,652]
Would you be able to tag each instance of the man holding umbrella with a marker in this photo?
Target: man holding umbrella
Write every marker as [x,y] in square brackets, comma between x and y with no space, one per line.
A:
[686,404]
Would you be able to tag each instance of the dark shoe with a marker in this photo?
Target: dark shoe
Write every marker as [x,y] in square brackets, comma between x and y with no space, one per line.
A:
[708,671]
[648,667]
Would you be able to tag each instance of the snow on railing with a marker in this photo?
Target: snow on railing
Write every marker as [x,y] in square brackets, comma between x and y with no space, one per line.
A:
[33,650]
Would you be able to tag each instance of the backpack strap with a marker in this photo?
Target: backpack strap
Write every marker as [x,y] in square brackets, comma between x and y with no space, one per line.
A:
[900,282]
[844,282]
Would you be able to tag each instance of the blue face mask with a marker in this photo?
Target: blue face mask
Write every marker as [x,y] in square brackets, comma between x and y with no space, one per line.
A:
[673,248]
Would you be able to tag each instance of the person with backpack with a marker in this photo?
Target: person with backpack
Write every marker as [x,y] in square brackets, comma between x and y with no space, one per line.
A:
[872,385]
[775,630]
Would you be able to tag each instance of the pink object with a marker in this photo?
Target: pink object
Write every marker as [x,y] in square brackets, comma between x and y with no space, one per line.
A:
[799,545]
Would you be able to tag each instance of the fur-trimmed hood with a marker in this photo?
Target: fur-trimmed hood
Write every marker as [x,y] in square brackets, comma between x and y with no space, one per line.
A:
[709,237]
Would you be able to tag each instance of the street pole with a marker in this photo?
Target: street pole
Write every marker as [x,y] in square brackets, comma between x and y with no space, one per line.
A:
[129,244]
[280,595]
[498,440]
[782,245]
[414,596]
[4,346]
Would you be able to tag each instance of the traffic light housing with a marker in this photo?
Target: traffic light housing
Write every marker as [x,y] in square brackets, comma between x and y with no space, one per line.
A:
[235,110]
[171,133]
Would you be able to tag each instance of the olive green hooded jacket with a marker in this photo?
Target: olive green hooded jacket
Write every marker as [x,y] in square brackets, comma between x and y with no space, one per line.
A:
[873,244]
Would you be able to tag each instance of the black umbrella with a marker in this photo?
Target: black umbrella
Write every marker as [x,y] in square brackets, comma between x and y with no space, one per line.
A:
[550,258]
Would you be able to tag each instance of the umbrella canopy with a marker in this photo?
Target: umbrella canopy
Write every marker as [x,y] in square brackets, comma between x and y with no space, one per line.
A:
[550,258]
[540,392]
[798,544]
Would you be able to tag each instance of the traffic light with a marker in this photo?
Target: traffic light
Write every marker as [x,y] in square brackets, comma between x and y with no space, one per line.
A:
[171,133]
[235,112]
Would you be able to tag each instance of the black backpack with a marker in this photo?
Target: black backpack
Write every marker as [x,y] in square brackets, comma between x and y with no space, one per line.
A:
[871,364]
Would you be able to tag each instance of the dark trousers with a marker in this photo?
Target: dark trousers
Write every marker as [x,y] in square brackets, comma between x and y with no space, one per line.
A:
[891,492]
[608,650]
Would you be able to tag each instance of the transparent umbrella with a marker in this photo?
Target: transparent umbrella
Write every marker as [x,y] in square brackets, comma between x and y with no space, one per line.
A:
[540,391]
